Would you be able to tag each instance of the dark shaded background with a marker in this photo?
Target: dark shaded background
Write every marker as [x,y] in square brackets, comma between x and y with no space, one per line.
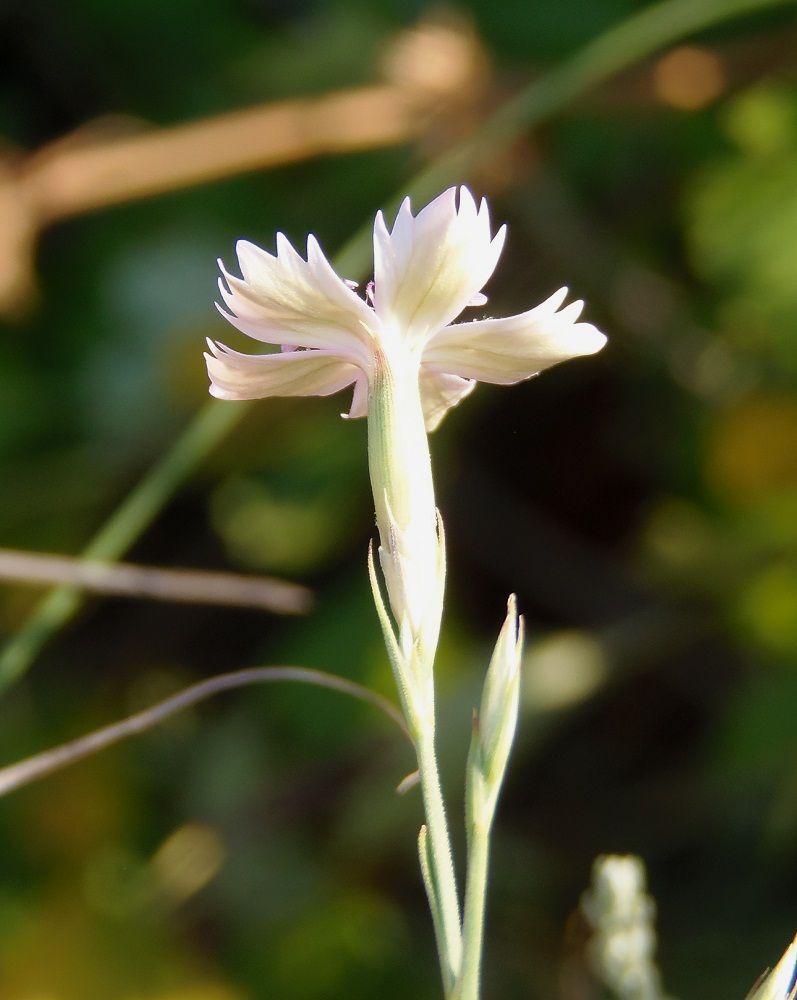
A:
[642,503]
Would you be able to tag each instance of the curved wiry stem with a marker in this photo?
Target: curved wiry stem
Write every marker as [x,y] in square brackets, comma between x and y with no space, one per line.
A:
[41,764]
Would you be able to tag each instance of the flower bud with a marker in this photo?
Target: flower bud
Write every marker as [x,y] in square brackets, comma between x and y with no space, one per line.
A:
[494,725]
[499,709]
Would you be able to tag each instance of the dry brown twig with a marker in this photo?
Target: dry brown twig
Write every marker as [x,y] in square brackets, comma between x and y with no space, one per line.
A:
[432,69]
[181,585]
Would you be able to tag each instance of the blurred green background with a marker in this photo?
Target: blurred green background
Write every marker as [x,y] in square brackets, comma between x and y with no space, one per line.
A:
[643,504]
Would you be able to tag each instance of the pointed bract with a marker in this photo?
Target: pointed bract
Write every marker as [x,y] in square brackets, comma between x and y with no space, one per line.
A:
[500,698]
[495,723]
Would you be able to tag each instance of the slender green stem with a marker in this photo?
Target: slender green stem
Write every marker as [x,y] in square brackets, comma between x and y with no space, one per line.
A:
[121,530]
[621,46]
[441,861]
[406,515]
[468,986]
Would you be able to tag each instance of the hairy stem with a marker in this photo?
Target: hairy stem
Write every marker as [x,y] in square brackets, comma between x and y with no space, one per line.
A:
[441,862]
[468,986]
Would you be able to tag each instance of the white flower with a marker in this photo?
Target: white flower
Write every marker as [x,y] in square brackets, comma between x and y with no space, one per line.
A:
[427,270]
[408,363]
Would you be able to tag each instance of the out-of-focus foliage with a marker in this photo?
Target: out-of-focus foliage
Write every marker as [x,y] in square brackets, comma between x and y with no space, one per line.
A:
[643,504]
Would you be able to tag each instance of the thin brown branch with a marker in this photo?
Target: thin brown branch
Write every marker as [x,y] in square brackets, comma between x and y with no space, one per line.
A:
[435,71]
[41,764]
[180,585]
[75,177]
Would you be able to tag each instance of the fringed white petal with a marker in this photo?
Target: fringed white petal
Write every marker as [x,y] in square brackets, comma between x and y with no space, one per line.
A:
[359,400]
[429,267]
[296,373]
[504,351]
[285,299]
[439,393]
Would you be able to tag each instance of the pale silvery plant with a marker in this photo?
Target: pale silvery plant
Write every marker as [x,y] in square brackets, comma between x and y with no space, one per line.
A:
[623,945]
[622,915]
[409,363]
